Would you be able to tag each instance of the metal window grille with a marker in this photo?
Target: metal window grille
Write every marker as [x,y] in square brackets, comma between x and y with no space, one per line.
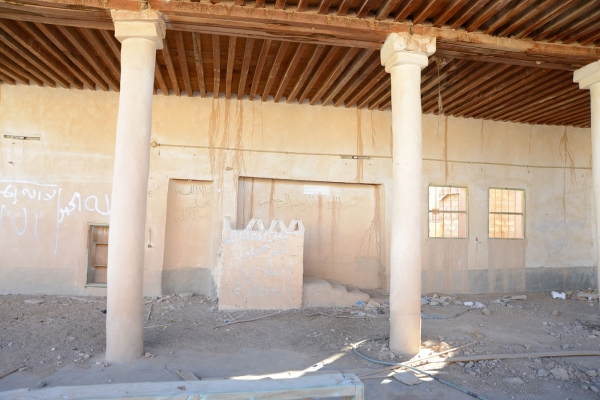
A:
[448,212]
[506,213]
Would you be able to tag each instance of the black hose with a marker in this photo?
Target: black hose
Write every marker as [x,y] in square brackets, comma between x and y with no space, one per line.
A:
[400,365]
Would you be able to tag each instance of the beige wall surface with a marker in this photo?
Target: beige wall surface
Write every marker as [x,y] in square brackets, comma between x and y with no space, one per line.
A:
[52,188]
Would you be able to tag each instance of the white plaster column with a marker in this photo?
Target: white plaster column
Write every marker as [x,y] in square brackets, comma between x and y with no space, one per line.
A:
[140,34]
[588,77]
[404,56]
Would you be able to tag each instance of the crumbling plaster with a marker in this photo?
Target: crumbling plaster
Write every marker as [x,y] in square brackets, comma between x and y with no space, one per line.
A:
[197,139]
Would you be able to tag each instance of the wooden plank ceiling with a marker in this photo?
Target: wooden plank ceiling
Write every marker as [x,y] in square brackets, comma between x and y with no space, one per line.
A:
[457,82]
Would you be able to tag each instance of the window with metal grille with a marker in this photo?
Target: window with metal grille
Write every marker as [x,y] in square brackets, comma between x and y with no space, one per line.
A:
[447,212]
[506,213]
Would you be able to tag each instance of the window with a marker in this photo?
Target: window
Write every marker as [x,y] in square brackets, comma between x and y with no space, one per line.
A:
[97,255]
[507,214]
[447,212]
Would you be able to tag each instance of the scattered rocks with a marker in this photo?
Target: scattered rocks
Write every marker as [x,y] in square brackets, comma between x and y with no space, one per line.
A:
[542,373]
[149,355]
[594,389]
[591,373]
[186,295]
[555,313]
[477,334]
[40,384]
[35,301]
[514,381]
[560,373]
[486,312]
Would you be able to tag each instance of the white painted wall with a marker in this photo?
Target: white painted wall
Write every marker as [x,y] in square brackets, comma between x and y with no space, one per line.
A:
[197,139]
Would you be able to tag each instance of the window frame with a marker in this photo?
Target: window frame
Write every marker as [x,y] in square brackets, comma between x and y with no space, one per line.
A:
[508,213]
[466,211]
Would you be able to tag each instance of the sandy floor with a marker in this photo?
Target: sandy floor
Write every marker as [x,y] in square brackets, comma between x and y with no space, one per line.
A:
[61,341]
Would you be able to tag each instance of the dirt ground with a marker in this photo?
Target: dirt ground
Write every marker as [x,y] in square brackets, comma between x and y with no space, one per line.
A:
[61,342]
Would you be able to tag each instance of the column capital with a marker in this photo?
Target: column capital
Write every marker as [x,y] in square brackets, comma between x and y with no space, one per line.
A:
[404,48]
[588,75]
[145,24]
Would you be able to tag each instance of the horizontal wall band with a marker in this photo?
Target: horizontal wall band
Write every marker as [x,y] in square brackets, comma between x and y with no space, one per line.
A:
[345,155]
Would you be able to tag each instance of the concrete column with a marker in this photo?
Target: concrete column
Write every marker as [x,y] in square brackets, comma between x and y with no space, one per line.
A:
[588,77]
[403,57]
[140,34]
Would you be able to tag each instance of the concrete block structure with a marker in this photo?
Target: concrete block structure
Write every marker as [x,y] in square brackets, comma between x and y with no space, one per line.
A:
[261,268]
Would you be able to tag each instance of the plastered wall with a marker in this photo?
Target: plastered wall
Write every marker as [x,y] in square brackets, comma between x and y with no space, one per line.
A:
[52,188]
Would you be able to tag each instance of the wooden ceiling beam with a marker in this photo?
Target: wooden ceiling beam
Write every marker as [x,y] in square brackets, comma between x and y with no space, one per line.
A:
[484,15]
[476,84]
[382,86]
[216,51]
[245,68]
[489,96]
[17,71]
[160,79]
[289,72]
[506,15]
[343,7]
[408,7]
[283,46]
[480,80]
[166,52]
[574,27]
[566,105]
[501,101]
[324,66]
[334,75]
[467,13]
[499,107]
[199,63]
[425,11]
[20,43]
[8,79]
[14,75]
[75,39]
[525,18]
[465,71]
[565,116]
[39,36]
[591,28]
[314,28]
[362,58]
[113,43]
[181,55]
[566,19]
[449,12]
[375,103]
[324,6]
[549,15]
[18,63]
[302,5]
[386,104]
[260,64]
[365,8]
[357,81]
[377,79]
[310,65]
[527,102]
[72,54]
[230,65]
[97,45]
[279,4]
[546,104]
[386,8]
[259,4]
[440,74]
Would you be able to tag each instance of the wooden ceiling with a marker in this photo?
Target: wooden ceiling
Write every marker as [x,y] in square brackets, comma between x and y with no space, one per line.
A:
[267,50]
